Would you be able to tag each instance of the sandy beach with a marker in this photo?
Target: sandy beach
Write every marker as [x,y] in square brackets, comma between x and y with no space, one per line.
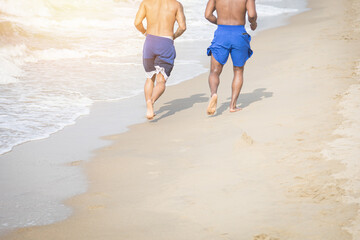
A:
[264,173]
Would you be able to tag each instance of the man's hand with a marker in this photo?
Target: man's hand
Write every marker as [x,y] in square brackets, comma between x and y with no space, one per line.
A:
[180,18]
[252,15]
[140,16]
[209,12]
[253,26]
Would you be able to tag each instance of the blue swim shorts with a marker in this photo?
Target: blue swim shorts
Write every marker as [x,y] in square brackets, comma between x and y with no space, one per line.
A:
[231,39]
[158,56]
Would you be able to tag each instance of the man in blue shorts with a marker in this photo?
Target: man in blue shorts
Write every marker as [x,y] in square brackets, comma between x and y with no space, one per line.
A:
[229,38]
[159,51]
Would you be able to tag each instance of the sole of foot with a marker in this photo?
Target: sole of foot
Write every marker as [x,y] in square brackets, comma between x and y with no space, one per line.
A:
[232,110]
[211,109]
[150,110]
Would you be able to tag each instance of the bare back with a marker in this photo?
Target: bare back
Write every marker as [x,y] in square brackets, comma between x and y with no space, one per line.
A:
[161,16]
[231,12]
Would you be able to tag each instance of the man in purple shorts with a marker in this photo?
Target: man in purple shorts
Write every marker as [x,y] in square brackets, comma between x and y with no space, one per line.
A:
[159,51]
[229,38]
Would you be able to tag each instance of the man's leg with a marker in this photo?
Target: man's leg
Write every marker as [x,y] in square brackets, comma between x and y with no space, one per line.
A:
[214,81]
[153,93]
[148,90]
[236,87]
[159,87]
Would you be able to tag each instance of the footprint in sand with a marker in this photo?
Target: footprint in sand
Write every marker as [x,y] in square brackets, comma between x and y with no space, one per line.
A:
[76,163]
[96,207]
[245,140]
[264,237]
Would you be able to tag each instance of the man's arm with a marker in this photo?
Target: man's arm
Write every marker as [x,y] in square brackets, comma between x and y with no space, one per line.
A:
[141,14]
[252,15]
[180,18]
[209,12]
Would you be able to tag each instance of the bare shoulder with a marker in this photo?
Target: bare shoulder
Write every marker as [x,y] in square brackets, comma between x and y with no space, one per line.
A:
[178,4]
[147,2]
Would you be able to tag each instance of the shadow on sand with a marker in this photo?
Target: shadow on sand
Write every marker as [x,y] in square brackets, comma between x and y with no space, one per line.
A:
[177,105]
[245,99]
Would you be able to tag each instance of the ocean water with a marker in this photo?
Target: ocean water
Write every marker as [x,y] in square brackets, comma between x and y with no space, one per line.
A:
[60,57]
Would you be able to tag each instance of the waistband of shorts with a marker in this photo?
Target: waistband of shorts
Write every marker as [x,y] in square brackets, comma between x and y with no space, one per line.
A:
[231,27]
[149,36]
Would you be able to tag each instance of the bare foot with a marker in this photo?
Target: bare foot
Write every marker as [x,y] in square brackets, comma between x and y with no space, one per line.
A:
[235,109]
[150,110]
[212,105]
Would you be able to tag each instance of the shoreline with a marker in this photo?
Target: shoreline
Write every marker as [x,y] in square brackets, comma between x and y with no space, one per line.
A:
[280,20]
[249,139]
[68,149]
[64,150]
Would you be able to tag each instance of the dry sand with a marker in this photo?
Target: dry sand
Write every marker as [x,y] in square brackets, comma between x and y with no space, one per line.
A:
[257,174]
